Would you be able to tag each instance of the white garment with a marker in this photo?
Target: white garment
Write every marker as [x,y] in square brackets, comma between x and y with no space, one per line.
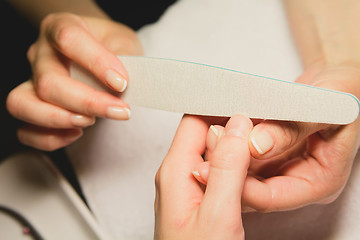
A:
[116,161]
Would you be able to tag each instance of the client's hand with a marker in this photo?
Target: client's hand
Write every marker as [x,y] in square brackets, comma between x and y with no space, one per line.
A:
[57,107]
[184,209]
[298,164]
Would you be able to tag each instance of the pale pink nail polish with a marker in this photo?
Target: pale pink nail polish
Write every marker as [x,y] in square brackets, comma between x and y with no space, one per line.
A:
[118,113]
[115,80]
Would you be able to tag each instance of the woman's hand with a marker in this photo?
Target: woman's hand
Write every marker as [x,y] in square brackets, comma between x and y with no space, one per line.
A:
[184,209]
[57,107]
[297,164]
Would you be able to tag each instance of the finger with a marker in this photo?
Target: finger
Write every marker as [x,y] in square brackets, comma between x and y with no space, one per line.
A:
[189,137]
[278,193]
[47,139]
[317,177]
[272,138]
[69,34]
[177,189]
[228,168]
[54,85]
[201,170]
[186,150]
[24,104]
[214,135]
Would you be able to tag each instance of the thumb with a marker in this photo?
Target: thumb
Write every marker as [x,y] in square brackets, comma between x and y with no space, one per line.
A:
[228,168]
[271,138]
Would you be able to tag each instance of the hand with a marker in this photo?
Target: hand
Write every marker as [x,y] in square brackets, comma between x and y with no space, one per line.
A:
[183,208]
[57,107]
[297,164]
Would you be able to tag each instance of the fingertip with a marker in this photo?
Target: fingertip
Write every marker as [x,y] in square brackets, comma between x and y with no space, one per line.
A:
[197,176]
[214,135]
[272,138]
[118,113]
[239,126]
[261,141]
[201,172]
[78,120]
[116,80]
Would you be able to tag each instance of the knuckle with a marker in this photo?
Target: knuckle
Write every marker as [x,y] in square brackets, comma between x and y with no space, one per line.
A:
[61,30]
[64,35]
[130,45]
[44,85]
[31,52]
[162,174]
[47,21]
[13,102]
[222,159]
[90,103]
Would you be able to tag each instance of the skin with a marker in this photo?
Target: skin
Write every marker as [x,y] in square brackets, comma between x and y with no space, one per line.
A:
[183,209]
[305,163]
[54,112]
[309,163]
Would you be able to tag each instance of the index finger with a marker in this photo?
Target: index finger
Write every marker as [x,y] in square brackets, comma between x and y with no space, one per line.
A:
[177,190]
[228,169]
[69,34]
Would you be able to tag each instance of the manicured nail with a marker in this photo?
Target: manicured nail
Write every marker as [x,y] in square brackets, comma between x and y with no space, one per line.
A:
[238,126]
[212,138]
[197,176]
[262,142]
[196,173]
[118,113]
[115,80]
[215,131]
[81,120]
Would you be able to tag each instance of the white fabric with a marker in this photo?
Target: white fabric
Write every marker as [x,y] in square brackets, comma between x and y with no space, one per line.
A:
[116,161]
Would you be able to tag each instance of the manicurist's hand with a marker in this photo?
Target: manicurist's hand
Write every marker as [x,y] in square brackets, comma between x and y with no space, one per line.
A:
[184,209]
[55,106]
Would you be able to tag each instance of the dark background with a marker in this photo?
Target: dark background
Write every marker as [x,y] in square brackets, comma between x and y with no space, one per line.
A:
[17,35]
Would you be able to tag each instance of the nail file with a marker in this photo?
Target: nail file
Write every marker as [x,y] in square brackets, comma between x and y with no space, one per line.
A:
[200,89]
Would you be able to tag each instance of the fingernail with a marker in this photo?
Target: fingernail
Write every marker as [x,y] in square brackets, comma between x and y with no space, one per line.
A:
[197,176]
[215,131]
[238,126]
[115,80]
[247,209]
[212,138]
[81,120]
[118,113]
[262,142]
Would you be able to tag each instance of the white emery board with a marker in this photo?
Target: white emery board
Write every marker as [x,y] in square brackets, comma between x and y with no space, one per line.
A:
[200,89]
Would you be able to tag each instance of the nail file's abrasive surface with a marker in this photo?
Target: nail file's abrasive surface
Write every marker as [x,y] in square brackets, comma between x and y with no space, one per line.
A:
[193,88]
